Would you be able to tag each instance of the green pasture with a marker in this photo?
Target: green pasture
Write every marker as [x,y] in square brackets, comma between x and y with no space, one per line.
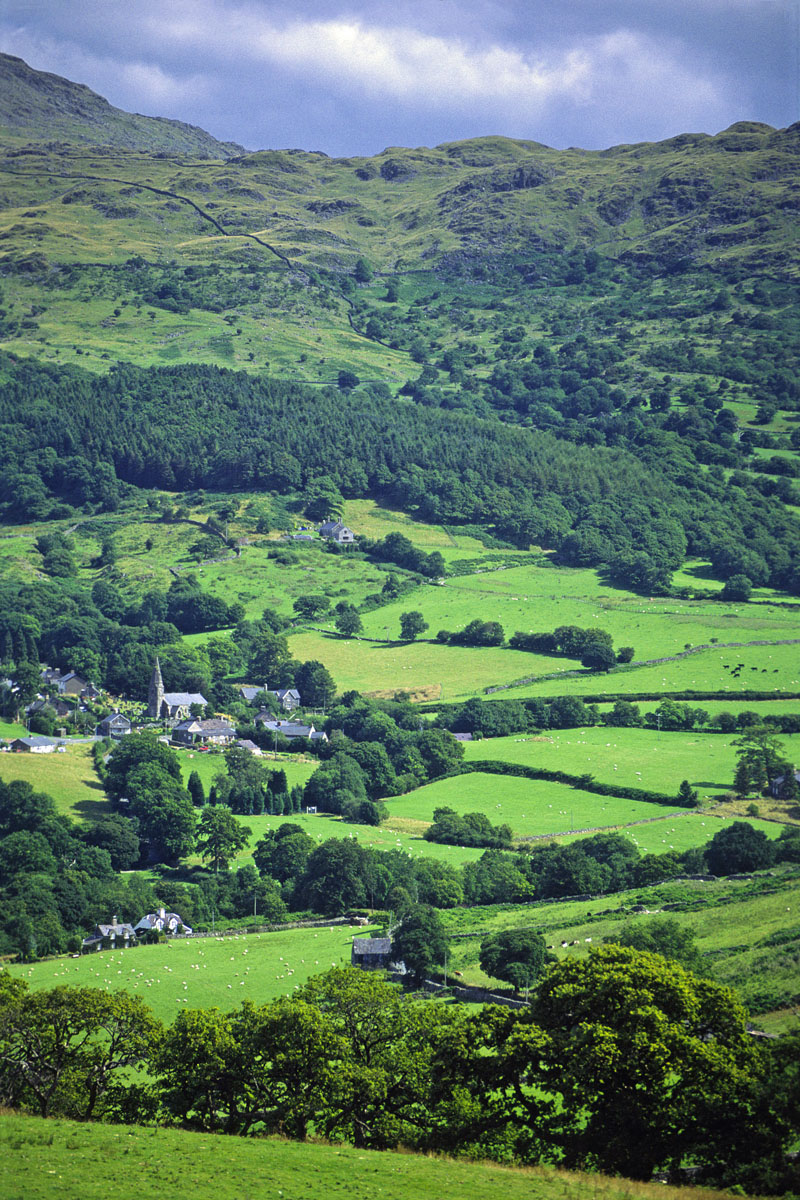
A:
[424,669]
[394,834]
[541,598]
[374,521]
[259,582]
[683,830]
[533,808]
[67,1159]
[747,930]
[11,729]
[207,972]
[209,765]
[150,551]
[646,758]
[537,809]
[763,708]
[765,667]
[70,779]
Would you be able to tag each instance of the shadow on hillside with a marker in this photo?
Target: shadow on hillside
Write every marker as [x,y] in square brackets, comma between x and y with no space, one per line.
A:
[92,810]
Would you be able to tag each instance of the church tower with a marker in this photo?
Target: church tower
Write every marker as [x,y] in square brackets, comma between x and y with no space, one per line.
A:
[155,693]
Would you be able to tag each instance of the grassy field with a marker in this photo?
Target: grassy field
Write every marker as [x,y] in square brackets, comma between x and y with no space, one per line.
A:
[11,729]
[434,671]
[394,834]
[748,931]
[57,1158]
[645,758]
[531,807]
[536,809]
[203,972]
[70,779]
[764,667]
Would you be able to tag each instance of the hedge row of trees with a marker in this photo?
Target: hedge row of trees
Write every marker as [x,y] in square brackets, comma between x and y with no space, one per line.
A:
[499,718]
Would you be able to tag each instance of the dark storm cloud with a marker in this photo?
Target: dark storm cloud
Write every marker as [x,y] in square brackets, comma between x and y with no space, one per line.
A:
[355,77]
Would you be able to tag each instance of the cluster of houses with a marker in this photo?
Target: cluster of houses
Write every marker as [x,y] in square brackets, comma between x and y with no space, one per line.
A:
[119,935]
[370,954]
[174,708]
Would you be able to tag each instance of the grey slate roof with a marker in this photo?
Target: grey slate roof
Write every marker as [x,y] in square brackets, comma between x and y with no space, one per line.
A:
[184,699]
[371,947]
[35,740]
[289,729]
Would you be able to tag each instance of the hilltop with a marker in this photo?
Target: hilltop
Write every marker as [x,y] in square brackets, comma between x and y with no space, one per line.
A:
[37,106]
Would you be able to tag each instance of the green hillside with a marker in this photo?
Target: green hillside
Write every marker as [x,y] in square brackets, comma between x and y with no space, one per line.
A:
[68,1159]
[37,106]
[549,390]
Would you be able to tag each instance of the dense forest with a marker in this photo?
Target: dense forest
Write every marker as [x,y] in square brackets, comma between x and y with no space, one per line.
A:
[637,505]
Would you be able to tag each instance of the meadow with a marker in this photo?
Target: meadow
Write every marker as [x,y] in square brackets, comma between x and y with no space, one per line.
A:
[533,808]
[70,778]
[79,1161]
[637,757]
[203,972]
[537,809]
[426,670]
[748,932]
[208,766]
[764,667]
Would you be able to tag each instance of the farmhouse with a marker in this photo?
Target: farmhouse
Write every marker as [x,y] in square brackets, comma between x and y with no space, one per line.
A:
[115,725]
[288,698]
[246,744]
[71,684]
[776,786]
[214,731]
[58,708]
[290,729]
[371,954]
[335,531]
[162,922]
[68,683]
[117,935]
[35,744]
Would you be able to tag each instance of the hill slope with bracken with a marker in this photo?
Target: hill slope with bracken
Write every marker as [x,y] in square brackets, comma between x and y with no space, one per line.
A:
[36,106]
[640,302]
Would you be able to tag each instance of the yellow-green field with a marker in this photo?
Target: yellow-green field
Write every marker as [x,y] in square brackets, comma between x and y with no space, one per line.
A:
[207,972]
[70,778]
[58,1158]
[627,757]
[537,809]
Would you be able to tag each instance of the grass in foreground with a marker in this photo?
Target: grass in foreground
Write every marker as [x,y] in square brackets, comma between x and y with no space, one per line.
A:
[73,1161]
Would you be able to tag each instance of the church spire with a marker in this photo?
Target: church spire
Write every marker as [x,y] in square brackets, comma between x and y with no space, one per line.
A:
[155,693]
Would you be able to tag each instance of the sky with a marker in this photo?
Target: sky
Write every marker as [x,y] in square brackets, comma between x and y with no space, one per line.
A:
[351,78]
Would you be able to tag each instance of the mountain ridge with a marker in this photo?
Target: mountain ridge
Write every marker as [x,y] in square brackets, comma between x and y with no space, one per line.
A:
[29,98]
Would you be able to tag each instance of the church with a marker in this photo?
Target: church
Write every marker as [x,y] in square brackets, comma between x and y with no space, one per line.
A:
[170,706]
